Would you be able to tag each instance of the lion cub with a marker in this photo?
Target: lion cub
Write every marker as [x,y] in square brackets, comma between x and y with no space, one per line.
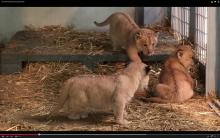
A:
[126,34]
[92,93]
[175,83]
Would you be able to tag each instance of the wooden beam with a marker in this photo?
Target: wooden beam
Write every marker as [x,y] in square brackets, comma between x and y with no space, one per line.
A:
[11,63]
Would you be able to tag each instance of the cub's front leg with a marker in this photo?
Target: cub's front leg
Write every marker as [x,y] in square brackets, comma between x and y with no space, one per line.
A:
[133,54]
[119,112]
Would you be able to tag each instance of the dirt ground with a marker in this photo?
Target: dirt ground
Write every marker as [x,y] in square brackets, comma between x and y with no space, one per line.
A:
[27,98]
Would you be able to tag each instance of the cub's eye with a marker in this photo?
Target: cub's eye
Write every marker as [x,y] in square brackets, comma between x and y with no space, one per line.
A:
[145,44]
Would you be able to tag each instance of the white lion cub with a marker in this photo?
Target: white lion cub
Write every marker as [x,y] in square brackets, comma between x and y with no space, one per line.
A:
[88,93]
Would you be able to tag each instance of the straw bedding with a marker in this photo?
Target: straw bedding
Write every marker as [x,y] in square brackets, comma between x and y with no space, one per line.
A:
[26,98]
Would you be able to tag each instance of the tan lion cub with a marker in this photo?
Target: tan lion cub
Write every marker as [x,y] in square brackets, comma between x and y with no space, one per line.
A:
[91,93]
[126,34]
[175,83]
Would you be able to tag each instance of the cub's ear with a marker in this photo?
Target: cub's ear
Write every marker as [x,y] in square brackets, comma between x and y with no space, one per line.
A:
[179,54]
[147,69]
[137,35]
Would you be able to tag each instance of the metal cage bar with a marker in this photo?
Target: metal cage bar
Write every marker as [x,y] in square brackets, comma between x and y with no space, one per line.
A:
[201,15]
[180,20]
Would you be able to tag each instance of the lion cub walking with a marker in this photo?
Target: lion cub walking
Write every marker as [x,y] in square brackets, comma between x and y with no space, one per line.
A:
[91,93]
[126,34]
[175,83]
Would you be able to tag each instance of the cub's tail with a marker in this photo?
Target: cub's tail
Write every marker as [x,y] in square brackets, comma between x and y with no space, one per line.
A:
[106,22]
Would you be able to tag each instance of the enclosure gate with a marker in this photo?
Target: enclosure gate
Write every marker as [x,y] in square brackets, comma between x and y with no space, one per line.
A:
[192,24]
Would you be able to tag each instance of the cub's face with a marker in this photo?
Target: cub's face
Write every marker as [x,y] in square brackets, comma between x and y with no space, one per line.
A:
[185,55]
[146,40]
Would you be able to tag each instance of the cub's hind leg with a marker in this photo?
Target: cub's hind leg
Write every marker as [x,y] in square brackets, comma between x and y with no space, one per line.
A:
[74,112]
[77,115]
[162,94]
[77,107]
[163,91]
[115,44]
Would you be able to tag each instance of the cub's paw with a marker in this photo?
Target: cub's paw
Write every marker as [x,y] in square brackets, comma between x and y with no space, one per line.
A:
[123,122]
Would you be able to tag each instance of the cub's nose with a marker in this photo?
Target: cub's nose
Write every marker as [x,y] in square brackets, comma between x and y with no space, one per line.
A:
[150,50]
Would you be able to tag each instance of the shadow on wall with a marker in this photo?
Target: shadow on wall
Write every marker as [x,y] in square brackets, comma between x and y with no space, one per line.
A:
[14,19]
[11,20]
[42,16]
[83,18]
[154,15]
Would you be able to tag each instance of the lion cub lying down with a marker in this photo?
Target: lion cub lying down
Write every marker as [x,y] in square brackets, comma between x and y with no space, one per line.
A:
[126,34]
[91,93]
[175,83]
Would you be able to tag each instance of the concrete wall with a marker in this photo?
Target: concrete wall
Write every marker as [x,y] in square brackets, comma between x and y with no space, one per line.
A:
[13,19]
[154,15]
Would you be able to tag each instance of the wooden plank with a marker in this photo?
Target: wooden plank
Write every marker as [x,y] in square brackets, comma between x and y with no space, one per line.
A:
[13,63]
[10,64]
[10,68]
[217,111]
[217,102]
[90,58]
[78,58]
[9,59]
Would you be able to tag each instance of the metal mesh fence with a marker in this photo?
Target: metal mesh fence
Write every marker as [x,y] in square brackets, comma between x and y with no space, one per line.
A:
[201,15]
[180,20]
[180,23]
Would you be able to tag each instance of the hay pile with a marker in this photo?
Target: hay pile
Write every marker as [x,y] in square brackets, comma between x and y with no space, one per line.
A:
[27,97]
[56,39]
[59,40]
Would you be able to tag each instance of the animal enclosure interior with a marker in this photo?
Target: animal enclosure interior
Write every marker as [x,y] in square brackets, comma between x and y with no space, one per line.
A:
[37,60]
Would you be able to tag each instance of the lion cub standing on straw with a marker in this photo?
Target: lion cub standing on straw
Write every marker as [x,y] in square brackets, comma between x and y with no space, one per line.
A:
[91,93]
[126,34]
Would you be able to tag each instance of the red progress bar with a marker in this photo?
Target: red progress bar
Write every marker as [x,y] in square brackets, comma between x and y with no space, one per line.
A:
[19,134]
